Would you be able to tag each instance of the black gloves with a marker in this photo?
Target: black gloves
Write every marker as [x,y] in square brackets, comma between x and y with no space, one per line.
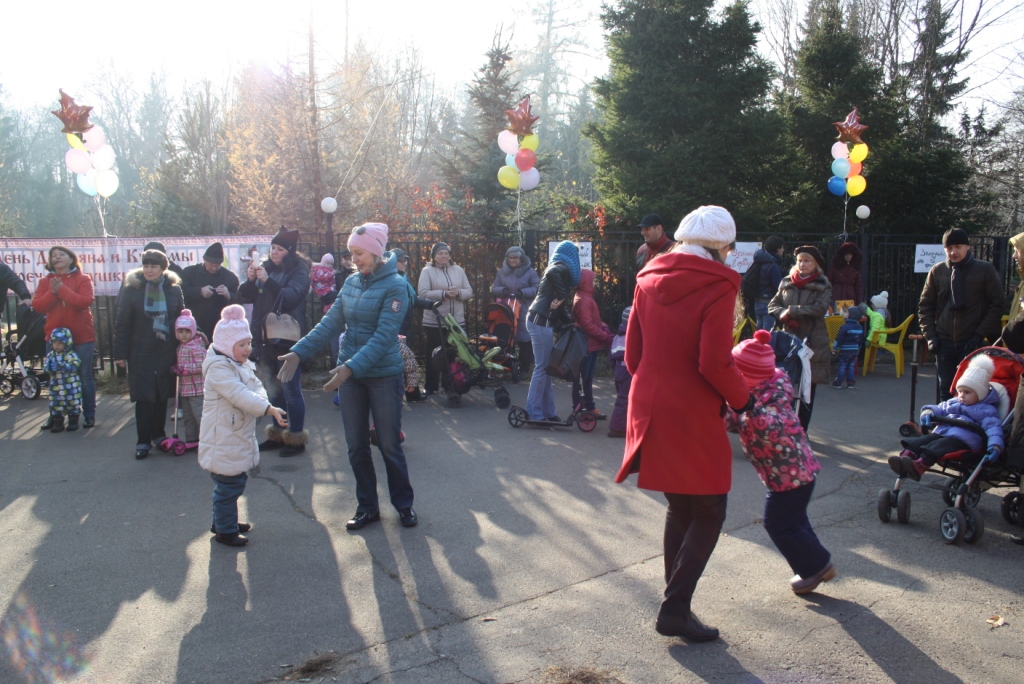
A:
[435,305]
[746,407]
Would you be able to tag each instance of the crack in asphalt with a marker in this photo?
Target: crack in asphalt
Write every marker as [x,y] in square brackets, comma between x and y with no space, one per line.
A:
[298,509]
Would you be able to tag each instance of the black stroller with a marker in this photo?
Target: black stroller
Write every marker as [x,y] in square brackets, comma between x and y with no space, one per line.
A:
[23,347]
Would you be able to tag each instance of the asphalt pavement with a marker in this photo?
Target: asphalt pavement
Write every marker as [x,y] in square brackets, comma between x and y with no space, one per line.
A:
[527,558]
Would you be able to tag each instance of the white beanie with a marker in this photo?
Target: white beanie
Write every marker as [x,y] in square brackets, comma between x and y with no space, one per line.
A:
[231,328]
[977,375]
[709,226]
[880,300]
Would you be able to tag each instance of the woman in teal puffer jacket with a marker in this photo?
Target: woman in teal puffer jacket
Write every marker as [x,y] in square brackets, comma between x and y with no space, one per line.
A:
[370,371]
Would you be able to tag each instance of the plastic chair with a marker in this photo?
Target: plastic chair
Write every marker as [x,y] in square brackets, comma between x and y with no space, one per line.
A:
[737,333]
[832,325]
[894,348]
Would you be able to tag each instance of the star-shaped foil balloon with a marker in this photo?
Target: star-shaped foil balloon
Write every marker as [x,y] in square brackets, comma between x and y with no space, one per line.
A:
[520,121]
[851,128]
[75,117]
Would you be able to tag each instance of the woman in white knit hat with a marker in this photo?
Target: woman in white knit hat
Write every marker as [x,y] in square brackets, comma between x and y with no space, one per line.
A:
[679,339]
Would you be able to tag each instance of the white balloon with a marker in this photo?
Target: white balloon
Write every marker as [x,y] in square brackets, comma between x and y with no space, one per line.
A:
[94,138]
[529,179]
[863,212]
[329,205]
[103,158]
[107,182]
[508,142]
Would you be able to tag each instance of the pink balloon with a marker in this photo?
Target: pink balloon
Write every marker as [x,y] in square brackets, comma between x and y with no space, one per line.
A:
[529,179]
[77,161]
[508,142]
[840,151]
[94,138]
[525,159]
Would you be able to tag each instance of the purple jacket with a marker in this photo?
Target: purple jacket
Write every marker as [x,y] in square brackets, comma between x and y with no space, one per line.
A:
[985,413]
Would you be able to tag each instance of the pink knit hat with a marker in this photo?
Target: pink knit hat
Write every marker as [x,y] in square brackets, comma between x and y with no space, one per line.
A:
[185,321]
[373,237]
[755,358]
[231,328]
[327,260]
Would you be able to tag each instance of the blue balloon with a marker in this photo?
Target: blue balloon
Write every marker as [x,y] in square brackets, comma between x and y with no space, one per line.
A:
[86,185]
[841,168]
[510,160]
[837,186]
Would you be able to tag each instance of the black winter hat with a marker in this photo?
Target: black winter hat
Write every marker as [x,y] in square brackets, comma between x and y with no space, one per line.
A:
[955,236]
[289,239]
[438,247]
[651,220]
[214,253]
[159,246]
[813,252]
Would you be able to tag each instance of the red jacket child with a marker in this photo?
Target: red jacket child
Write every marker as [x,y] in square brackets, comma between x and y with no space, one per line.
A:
[587,316]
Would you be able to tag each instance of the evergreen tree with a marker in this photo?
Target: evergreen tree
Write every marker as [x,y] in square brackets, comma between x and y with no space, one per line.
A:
[932,74]
[685,120]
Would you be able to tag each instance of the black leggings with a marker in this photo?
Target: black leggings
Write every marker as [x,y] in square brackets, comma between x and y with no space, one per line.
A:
[433,341]
[692,526]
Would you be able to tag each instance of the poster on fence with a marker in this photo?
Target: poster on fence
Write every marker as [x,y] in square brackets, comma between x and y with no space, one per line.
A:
[107,260]
[926,256]
[586,254]
[742,258]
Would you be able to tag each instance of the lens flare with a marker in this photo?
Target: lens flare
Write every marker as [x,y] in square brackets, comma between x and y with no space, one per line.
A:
[36,650]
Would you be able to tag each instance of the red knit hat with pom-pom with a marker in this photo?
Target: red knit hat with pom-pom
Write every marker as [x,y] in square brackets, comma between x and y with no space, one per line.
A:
[755,358]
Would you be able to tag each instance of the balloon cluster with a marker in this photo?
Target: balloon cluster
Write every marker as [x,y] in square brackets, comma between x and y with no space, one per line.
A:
[90,157]
[520,154]
[847,163]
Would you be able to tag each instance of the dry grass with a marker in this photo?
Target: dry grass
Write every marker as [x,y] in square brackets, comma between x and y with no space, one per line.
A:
[581,675]
[317,665]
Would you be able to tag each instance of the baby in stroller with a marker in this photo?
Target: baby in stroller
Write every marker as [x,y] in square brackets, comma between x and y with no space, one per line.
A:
[977,401]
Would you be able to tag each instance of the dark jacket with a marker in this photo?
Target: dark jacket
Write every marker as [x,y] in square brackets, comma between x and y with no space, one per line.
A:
[807,306]
[149,358]
[415,302]
[769,275]
[982,314]
[554,284]
[285,290]
[850,337]
[205,310]
[521,283]
[845,278]
[9,280]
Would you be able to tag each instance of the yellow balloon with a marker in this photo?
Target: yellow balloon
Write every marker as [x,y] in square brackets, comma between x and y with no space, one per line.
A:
[856,185]
[530,142]
[76,142]
[859,153]
[508,176]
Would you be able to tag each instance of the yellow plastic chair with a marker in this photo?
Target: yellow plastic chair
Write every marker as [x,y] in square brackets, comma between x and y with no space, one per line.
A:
[832,325]
[894,348]
[737,332]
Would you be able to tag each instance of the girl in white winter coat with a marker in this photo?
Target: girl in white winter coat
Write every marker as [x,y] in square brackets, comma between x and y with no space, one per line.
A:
[233,399]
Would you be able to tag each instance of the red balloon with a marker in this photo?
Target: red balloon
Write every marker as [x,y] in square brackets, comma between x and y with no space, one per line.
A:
[525,159]
[855,168]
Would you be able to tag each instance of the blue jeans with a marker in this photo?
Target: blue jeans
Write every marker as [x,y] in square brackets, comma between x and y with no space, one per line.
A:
[226,490]
[585,381]
[847,368]
[86,351]
[785,520]
[764,320]
[287,396]
[540,401]
[381,397]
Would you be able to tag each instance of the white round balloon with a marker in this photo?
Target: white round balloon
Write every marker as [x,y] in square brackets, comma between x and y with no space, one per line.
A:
[106,183]
[103,158]
[863,212]
[329,205]
[529,179]
[94,138]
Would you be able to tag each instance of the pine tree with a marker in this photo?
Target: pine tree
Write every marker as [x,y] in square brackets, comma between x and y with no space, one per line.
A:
[933,74]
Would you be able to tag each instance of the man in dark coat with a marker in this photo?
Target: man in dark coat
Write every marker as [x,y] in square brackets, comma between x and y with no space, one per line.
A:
[208,288]
[656,241]
[768,262]
[961,304]
[9,280]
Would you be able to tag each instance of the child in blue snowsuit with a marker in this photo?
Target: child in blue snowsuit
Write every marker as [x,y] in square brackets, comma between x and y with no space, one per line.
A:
[62,363]
[848,343]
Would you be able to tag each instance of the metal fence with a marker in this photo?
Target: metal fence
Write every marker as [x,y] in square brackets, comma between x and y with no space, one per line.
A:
[888,265]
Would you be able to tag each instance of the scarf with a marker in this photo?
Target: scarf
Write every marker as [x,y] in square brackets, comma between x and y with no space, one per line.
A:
[155,306]
[957,294]
[799,281]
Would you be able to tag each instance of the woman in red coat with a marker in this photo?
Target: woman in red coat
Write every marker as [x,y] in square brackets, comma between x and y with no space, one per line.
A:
[678,348]
[65,295]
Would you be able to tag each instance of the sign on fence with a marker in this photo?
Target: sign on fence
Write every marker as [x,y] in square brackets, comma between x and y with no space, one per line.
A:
[926,256]
[742,258]
[586,254]
[107,260]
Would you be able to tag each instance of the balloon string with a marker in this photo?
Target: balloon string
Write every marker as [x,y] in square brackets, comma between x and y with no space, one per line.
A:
[519,216]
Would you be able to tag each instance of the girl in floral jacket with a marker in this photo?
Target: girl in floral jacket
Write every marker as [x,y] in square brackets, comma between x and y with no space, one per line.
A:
[191,355]
[779,450]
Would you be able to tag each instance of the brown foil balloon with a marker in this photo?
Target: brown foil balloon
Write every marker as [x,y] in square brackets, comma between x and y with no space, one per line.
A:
[75,117]
[851,128]
[520,121]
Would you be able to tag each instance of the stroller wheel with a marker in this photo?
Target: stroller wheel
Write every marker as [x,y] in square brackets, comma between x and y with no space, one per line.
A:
[949,490]
[517,417]
[1011,508]
[6,386]
[501,398]
[884,505]
[30,387]
[952,525]
[454,400]
[586,421]
[975,525]
[909,429]
[903,506]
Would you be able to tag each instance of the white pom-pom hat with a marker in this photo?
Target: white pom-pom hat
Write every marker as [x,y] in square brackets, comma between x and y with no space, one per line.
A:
[231,328]
[709,226]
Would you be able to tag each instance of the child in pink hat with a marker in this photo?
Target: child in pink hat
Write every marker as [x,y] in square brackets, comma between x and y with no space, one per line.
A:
[780,452]
[191,354]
